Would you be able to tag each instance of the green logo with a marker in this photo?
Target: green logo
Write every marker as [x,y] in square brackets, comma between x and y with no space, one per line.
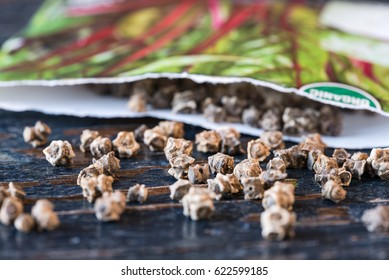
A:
[341,95]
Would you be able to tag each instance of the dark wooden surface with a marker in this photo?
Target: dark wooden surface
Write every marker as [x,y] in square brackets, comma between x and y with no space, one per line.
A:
[158,229]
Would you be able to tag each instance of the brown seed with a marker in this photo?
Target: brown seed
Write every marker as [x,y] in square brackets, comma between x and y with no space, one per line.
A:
[11,208]
[138,193]
[100,146]
[208,141]
[44,215]
[184,102]
[37,135]
[376,219]
[177,147]
[253,188]
[298,121]
[179,189]
[271,120]
[324,164]
[333,191]
[312,157]
[107,164]
[24,223]
[312,142]
[59,153]
[271,176]
[221,163]
[233,105]
[125,144]
[330,121]
[251,116]
[276,164]
[89,172]
[172,129]
[356,167]
[341,155]
[110,206]
[247,168]
[379,161]
[221,186]
[198,174]
[277,223]
[257,150]
[137,102]
[235,184]
[155,139]
[273,139]
[293,157]
[281,194]
[86,139]
[198,204]
[180,166]
[214,113]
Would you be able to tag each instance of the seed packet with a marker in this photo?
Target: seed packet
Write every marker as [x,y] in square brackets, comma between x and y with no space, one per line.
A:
[336,53]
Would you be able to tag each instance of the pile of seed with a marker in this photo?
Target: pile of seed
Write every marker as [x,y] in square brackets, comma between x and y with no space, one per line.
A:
[235,103]
[199,184]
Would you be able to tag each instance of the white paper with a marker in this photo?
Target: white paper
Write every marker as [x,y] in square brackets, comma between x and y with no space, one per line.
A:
[360,130]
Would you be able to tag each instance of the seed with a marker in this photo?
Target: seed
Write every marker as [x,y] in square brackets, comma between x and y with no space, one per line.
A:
[221,163]
[110,206]
[273,139]
[59,153]
[281,194]
[89,172]
[24,223]
[44,215]
[324,164]
[330,121]
[198,204]
[271,176]
[137,102]
[271,120]
[172,129]
[298,121]
[333,191]
[179,189]
[253,188]
[356,167]
[180,166]
[312,142]
[37,135]
[247,168]
[277,223]
[233,105]
[4,193]
[184,102]
[100,146]
[250,116]
[276,164]
[379,161]
[198,174]
[221,186]
[341,155]
[293,157]
[312,157]
[214,113]
[138,193]
[107,164]
[376,219]
[11,208]
[257,150]
[155,139]
[230,143]
[177,147]
[86,139]
[125,144]
[208,141]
